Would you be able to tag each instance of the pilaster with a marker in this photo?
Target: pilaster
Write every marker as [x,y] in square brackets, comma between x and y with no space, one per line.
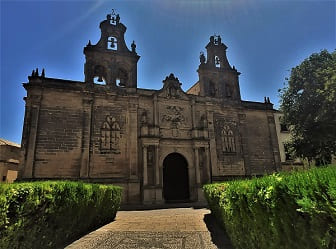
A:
[132,138]
[144,159]
[197,170]
[86,136]
[35,103]
[274,140]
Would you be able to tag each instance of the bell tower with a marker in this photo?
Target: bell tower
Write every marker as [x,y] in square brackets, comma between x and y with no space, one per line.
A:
[110,60]
[217,78]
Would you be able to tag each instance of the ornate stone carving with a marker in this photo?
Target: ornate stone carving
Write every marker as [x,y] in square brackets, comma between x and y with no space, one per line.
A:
[174,116]
[222,122]
[172,92]
[110,135]
[172,88]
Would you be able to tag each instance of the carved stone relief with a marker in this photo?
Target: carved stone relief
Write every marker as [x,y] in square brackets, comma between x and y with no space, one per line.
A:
[172,88]
[172,92]
[174,116]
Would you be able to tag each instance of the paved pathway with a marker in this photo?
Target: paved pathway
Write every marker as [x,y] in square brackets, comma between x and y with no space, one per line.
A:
[176,228]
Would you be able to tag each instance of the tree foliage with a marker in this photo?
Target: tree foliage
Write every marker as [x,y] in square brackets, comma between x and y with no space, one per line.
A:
[308,102]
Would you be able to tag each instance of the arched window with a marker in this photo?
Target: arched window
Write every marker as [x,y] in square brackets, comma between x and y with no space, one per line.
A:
[99,80]
[105,136]
[228,140]
[110,135]
[115,135]
[217,61]
[122,78]
[99,72]
[212,89]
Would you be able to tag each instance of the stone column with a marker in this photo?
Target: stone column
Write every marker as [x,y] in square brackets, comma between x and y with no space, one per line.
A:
[132,138]
[193,116]
[244,142]
[157,170]
[24,140]
[200,195]
[145,175]
[156,113]
[86,137]
[156,116]
[196,161]
[158,184]
[28,171]
[207,166]
[212,144]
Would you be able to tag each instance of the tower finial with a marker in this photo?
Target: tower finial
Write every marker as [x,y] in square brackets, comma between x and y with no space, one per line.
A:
[133,46]
[202,58]
[113,17]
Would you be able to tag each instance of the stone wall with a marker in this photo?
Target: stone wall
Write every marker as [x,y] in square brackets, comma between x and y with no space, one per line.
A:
[10,156]
[59,135]
[119,136]
[262,142]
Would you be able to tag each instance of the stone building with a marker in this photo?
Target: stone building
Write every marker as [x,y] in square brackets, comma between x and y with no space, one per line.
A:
[288,162]
[160,145]
[10,154]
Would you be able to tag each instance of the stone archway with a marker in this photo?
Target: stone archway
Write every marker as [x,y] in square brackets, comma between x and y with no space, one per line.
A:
[175,178]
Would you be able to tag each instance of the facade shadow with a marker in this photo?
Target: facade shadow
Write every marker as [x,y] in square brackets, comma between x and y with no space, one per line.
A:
[218,234]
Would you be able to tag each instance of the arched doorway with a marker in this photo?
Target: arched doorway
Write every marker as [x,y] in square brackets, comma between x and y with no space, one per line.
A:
[175,178]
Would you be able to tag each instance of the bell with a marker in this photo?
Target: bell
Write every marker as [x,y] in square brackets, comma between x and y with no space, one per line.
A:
[217,61]
[100,79]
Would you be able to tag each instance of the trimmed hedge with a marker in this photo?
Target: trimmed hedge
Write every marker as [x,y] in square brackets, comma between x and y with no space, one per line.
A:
[51,214]
[287,210]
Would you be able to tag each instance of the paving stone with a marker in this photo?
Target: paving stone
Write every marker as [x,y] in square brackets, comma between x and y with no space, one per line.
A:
[178,228]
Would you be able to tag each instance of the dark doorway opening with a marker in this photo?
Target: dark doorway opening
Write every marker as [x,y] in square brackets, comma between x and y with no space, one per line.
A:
[175,178]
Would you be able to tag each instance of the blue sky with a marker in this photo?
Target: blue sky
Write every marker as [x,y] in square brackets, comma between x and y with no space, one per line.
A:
[265,39]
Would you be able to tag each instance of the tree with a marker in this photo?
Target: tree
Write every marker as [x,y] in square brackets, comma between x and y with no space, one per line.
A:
[308,101]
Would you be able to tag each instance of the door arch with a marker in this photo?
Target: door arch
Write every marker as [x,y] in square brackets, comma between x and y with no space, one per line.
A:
[175,178]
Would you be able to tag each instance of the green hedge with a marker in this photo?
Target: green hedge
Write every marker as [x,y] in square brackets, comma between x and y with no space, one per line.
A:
[52,213]
[288,211]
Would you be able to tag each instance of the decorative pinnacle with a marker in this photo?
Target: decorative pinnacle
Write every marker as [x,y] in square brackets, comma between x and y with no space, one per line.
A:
[113,17]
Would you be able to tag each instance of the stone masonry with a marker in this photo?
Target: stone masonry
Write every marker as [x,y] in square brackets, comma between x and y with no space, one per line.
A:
[159,145]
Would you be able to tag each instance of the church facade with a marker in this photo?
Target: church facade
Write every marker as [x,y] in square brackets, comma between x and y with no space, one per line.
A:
[159,145]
